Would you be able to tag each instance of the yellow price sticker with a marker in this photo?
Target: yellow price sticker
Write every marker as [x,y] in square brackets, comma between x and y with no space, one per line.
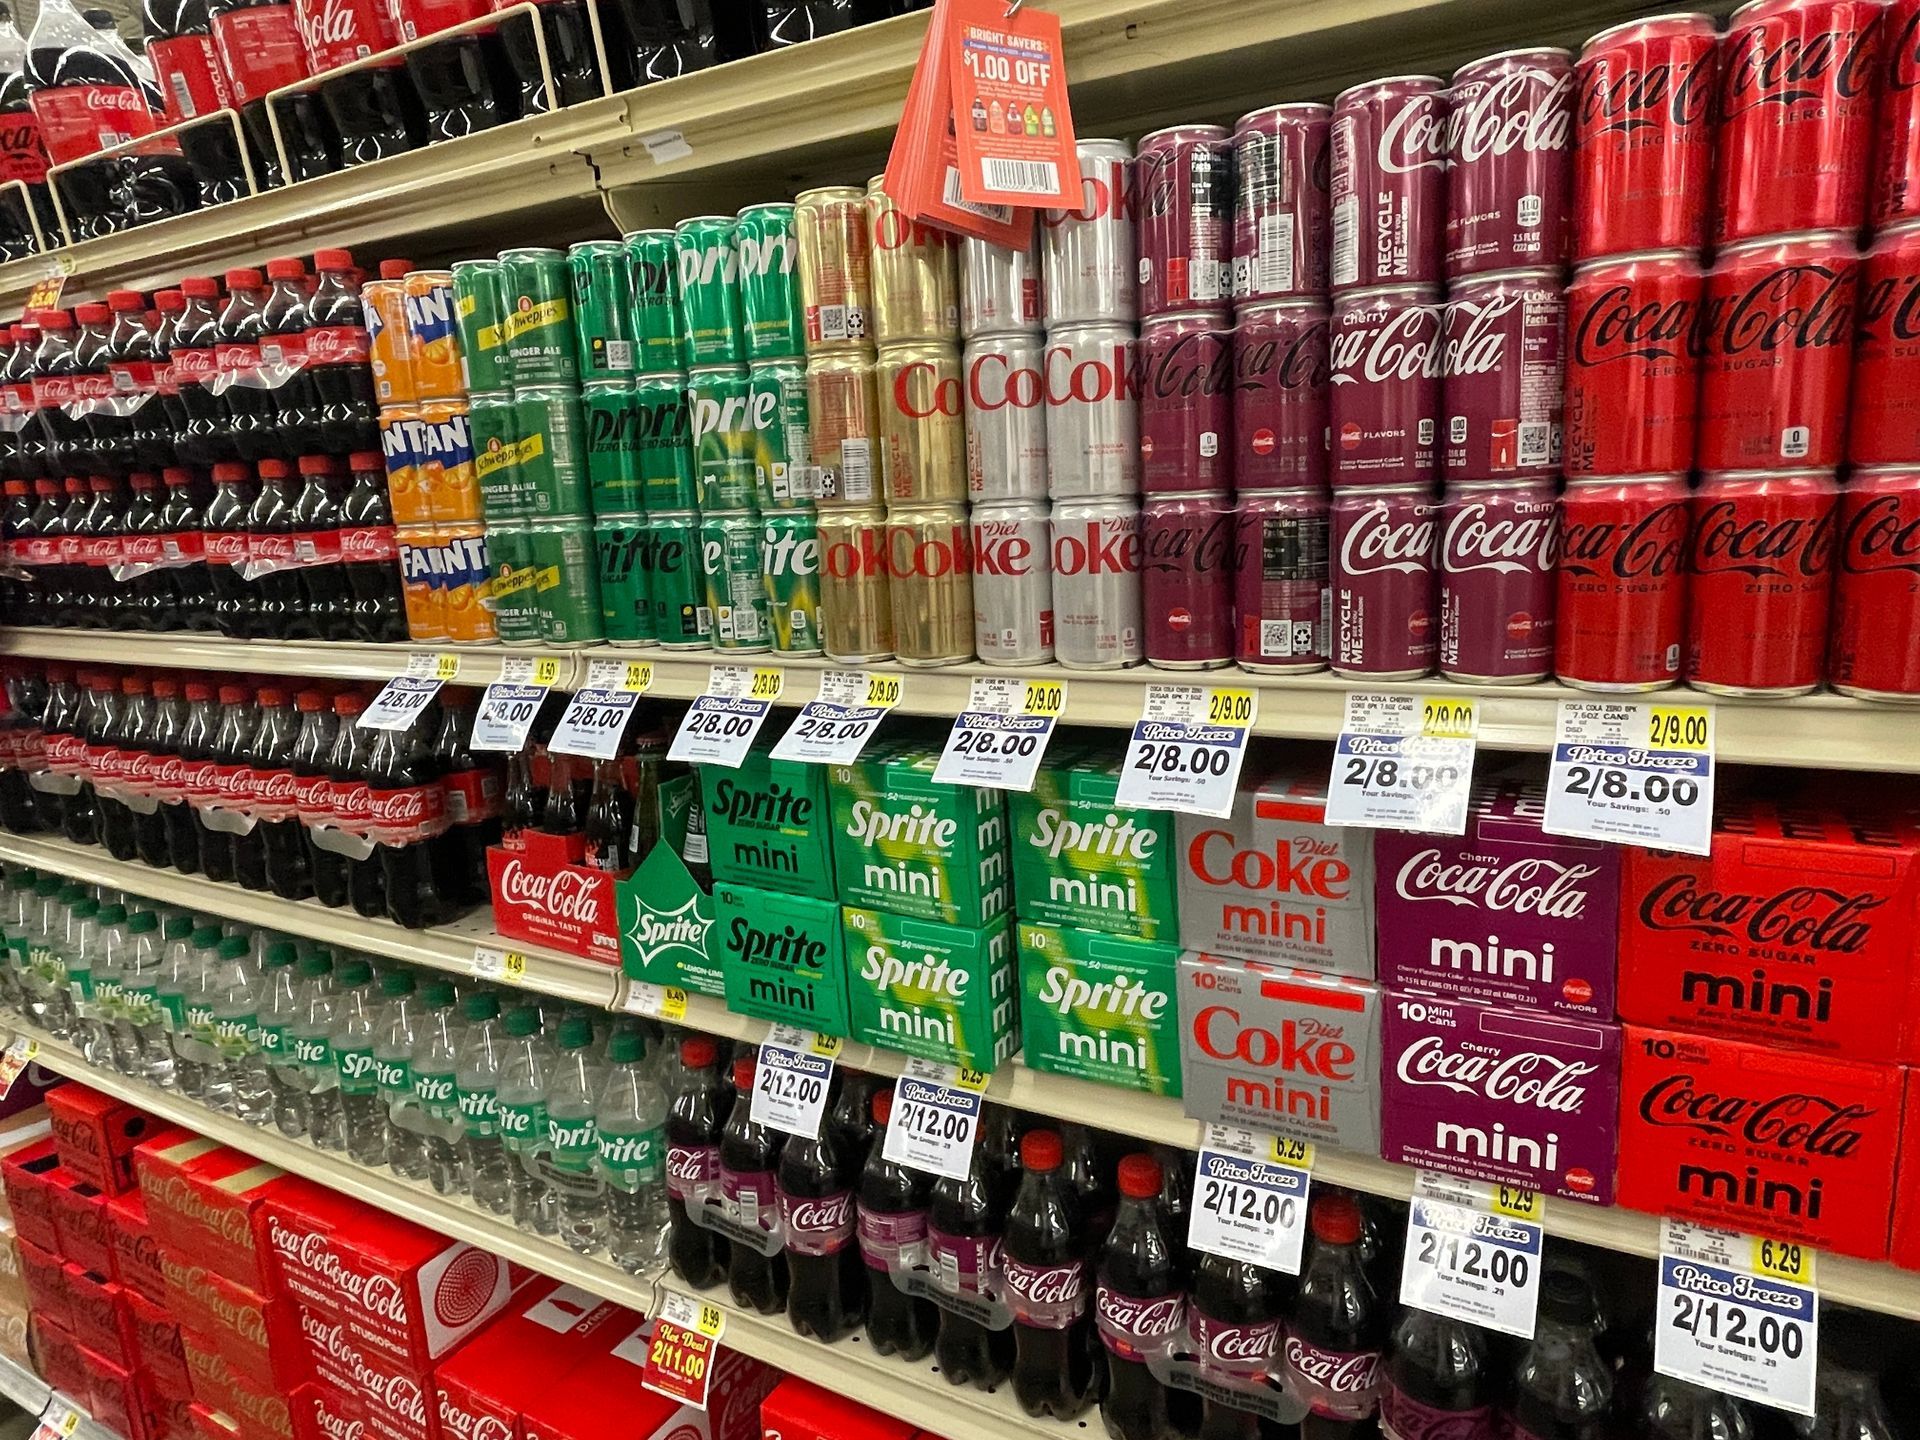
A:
[441,665]
[638,678]
[1289,1151]
[446,665]
[974,1080]
[1678,727]
[1518,1203]
[767,684]
[505,966]
[1229,707]
[1446,717]
[546,670]
[883,690]
[828,1047]
[673,1004]
[712,1322]
[1783,1260]
[1044,697]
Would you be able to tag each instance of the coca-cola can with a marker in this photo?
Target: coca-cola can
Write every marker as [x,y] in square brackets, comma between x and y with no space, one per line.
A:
[1013,582]
[1761,581]
[1643,136]
[1186,580]
[1387,183]
[1633,350]
[930,584]
[1776,346]
[1896,180]
[923,447]
[1876,590]
[1510,162]
[1096,583]
[1005,398]
[856,610]
[912,268]
[1280,581]
[1087,254]
[1384,354]
[1280,166]
[999,288]
[1503,375]
[1798,83]
[1383,562]
[1497,548]
[1093,412]
[1186,402]
[1885,428]
[1621,583]
[1280,380]
[1183,204]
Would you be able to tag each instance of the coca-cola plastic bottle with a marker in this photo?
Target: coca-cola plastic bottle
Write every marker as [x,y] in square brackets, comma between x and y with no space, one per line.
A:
[1436,1383]
[698,1255]
[169,418]
[793,22]
[183,544]
[473,787]
[251,420]
[64,726]
[23,155]
[18,594]
[154,831]
[352,801]
[224,855]
[86,98]
[826,1280]
[676,37]
[464,82]
[25,456]
[336,351]
[326,599]
[111,606]
[1046,1285]
[1332,1349]
[1139,1304]
[277,833]
[224,543]
[313,792]
[963,1241]
[1562,1389]
[64,534]
[138,429]
[409,822]
[125,699]
[153,601]
[1234,1311]
[185,832]
[748,1156]
[569,38]
[194,359]
[192,84]
[281,604]
[99,431]
[259,45]
[369,556]
[373,110]
[1672,1409]
[53,390]
[283,356]
[891,1203]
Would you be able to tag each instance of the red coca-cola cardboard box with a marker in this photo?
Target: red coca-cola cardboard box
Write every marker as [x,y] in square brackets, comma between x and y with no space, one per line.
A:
[1904,1247]
[136,1254]
[27,1126]
[258,1337]
[799,1410]
[210,1424]
[544,895]
[59,1356]
[95,1135]
[485,1386]
[25,1176]
[1747,1137]
[602,1399]
[202,1200]
[80,1220]
[400,1401]
[263,1413]
[112,1398]
[45,1276]
[101,1319]
[169,1417]
[156,1339]
[208,1376]
[321,1412]
[1799,930]
[189,1290]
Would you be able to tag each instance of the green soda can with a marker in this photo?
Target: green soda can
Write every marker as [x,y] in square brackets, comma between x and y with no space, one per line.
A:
[665,443]
[677,583]
[538,295]
[626,606]
[736,591]
[612,420]
[659,333]
[516,616]
[782,451]
[552,450]
[602,309]
[493,420]
[709,269]
[566,589]
[480,313]
[773,326]
[721,414]
[790,563]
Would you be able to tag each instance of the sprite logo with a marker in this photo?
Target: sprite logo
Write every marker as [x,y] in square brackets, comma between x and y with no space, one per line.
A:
[574,1143]
[783,553]
[1067,994]
[632,1158]
[312,1051]
[273,1040]
[357,1076]
[391,1076]
[930,975]
[916,825]
[709,263]
[732,414]
[481,1110]
[235,1037]
[522,1126]
[1110,837]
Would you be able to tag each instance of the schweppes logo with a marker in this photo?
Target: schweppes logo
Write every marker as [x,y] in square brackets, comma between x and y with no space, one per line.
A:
[499,455]
[531,316]
[515,581]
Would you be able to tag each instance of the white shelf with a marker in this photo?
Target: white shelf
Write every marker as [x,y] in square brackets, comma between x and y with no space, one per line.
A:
[31,1394]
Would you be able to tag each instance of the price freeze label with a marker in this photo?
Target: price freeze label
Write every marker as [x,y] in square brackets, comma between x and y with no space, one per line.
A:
[400,702]
[505,715]
[1187,748]
[441,665]
[720,726]
[593,723]
[834,727]
[1000,738]
[1404,762]
[656,1002]
[508,967]
[1473,1252]
[791,1081]
[1633,772]
[936,1118]
[1250,1198]
[1737,1314]
[15,1059]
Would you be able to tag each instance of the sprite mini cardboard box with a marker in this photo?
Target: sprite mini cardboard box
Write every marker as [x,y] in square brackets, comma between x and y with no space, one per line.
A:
[666,925]
[904,844]
[1079,859]
[941,992]
[1100,1007]
[783,957]
[768,824]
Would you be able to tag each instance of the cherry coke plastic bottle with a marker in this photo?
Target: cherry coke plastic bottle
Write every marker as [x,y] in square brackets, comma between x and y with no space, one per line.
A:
[891,1204]
[1436,1383]
[185,832]
[826,1280]
[183,543]
[192,84]
[313,792]
[1139,1304]
[23,155]
[280,839]
[473,786]
[352,802]
[155,833]
[748,1155]
[251,420]
[698,1255]
[963,1239]
[225,856]
[1046,1285]
[348,413]
[283,356]
[202,431]
[570,57]
[225,544]
[369,555]
[1332,1349]
[1674,1409]
[1234,1313]
[463,81]
[1561,1389]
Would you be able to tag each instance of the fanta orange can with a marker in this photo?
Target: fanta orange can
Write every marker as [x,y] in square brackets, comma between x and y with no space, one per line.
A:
[389,347]
[444,453]
[409,485]
[422,567]
[469,582]
[432,339]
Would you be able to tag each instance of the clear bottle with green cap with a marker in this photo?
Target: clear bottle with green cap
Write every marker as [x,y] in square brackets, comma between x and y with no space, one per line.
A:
[313,1069]
[279,1011]
[94,1018]
[196,1060]
[629,1122]
[79,953]
[477,1083]
[169,1006]
[233,992]
[356,1023]
[436,1091]
[136,970]
[74,920]
[393,1041]
[522,1095]
[573,1145]
[16,895]
[44,919]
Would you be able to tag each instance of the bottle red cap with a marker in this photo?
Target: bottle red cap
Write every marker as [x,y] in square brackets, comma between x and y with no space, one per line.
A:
[309,701]
[140,480]
[198,690]
[55,320]
[201,287]
[1334,1219]
[1041,1150]
[100,484]
[92,313]
[177,475]
[333,259]
[126,300]
[743,1072]
[883,1106]
[316,464]
[366,460]
[244,280]
[273,695]
[286,267]
[349,702]
[16,487]
[74,485]
[165,687]
[133,684]
[274,469]
[394,269]
[698,1051]
[232,694]
[228,470]
[1139,1176]
[170,301]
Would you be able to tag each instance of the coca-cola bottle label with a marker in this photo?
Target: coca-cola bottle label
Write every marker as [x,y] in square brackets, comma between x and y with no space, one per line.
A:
[169,780]
[751,1196]
[316,547]
[268,553]
[194,367]
[224,547]
[691,1170]
[891,1239]
[23,154]
[142,772]
[366,542]
[337,345]
[191,80]
[406,814]
[352,804]
[1343,1384]
[1404,1418]
[260,49]
[817,1224]
[313,799]
[270,793]
[1133,1326]
[1046,1297]
[965,1264]
[338,32]
[235,365]
[472,796]
[1227,1348]
[77,120]
[187,548]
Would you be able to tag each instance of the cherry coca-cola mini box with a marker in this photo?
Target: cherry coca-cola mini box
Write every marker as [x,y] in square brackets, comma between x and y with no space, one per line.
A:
[320,1412]
[543,895]
[80,1220]
[797,1409]
[203,1201]
[400,1401]
[26,1175]
[1747,1137]
[136,1254]
[156,1338]
[100,1316]
[485,1386]
[602,1398]
[95,1135]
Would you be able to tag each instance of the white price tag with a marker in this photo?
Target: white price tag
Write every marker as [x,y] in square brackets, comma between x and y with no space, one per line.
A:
[791,1081]
[936,1118]
[507,967]
[400,702]
[593,724]
[1473,1252]
[505,715]
[834,727]
[1404,762]
[1186,749]
[1737,1314]
[541,670]
[720,726]
[1000,738]
[631,675]
[443,665]
[1634,772]
[702,1317]
[58,1419]
[17,1056]
[1250,1198]
[656,1002]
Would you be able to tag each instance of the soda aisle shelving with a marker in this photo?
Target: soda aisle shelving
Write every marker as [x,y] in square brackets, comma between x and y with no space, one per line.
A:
[31,1394]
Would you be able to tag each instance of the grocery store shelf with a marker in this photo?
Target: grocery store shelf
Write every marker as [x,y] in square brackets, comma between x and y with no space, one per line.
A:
[31,1393]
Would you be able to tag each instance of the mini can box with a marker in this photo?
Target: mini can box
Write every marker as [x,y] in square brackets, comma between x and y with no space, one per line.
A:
[800,1410]
[1100,1007]
[769,823]
[95,1135]
[783,956]
[941,992]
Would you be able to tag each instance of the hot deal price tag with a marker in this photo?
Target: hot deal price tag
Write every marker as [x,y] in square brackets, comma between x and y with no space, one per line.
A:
[720,725]
[1250,1198]
[791,1082]
[1186,749]
[1473,1252]
[1404,762]
[679,1363]
[936,1118]
[1634,772]
[999,739]
[1725,1322]
[834,727]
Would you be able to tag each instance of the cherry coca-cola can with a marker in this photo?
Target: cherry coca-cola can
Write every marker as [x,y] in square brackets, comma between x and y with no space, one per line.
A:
[1086,254]
[1497,546]
[1093,412]
[1776,346]
[1876,587]
[1510,162]
[1633,364]
[1885,428]
[1005,404]
[1621,582]
[1505,335]
[1798,83]
[1096,583]
[1643,136]
[1280,202]
[1896,179]
[1384,357]
[1387,182]
[1186,402]
[1186,580]
[1013,582]
[1280,580]
[1761,581]
[1383,562]
[1183,197]
[1280,379]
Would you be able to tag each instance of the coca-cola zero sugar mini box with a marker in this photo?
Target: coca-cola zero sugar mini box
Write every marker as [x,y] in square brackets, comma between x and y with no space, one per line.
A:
[1747,1137]
[1100,1007]
[202,1199]
[485,1386]
[1507,1096]
[136,1254]
[95,1135]
[320,1412]
[80,1220]
[26,1174]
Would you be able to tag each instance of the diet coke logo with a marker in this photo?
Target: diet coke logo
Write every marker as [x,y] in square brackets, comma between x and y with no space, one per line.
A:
[1098,547]
[1106,192]
[1777,64]
[1414,138]
[1002,547]
[566,894]
[1794,1121]
[1806,917]
[1382,343]
[862,556]
[1881,535]
[1624,100]
[1651,546]
[1528,886]
[1799,307]
[1785,545]
[1527,1077]
[1377,541]
[921,391]
[1526,109]
[995,382]
[944,551]
[1301,1047]
[1077,377]
[1510,541]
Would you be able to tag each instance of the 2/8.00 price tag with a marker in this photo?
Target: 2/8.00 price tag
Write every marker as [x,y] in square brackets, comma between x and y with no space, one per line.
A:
[936,1118]
[834,727]
[1000,738]
[720,726]
[1723,1322]
[1250,1198]
[400,702]
[1473,1252]
[597,716]
[510,704]
[1634,772]
[1186,749]
[1403,762]
[792,1078]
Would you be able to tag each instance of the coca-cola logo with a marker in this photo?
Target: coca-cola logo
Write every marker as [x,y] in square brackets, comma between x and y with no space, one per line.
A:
[1506,539]
[995,382]
[1882,535]
[1195,364]
[823,1215]
[1139,1317]
[1531,885]
[1526,109]
[336,1426]
[1799,307]
[921,391]
[1785,60]
[861,555]
[1795,1121]
[1296,360]
[945,550]
[1047,1284]
[1805,917]
[1177,546]
[1725,541]
[226,1223]
[1890,305]
[1106,193]
[1343,1374]
[1097,547]
[1618,98]
[566,894]
[1377,542]
[1414,137]
[1241,1345]
[1526,1077]
[1619,324]
[1383,342]
[1476,343]
[1075,376]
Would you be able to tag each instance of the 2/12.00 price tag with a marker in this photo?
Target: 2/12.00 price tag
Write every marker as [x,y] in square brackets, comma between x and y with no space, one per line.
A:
[1250,1198]
[936,1118]
[1473,1253]
[792,1078]
[1722,1322]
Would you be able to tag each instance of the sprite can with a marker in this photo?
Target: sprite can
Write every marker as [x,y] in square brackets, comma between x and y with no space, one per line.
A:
[665,443]
[659,332]
[553,461]
[626,608]
[566,589]
[539,323]
[480,313]
[790,563]
[736,590]
[516,616]
[709,268]
[612,423]
[602,309]
[782,449]
[677,584]
[772,323]
[493,420]
[720,410]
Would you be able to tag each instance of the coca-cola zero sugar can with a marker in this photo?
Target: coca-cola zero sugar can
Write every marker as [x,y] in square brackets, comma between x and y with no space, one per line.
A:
[1621,582]
[1093,413]
[1280,166]
[1186,402]
[1876,587]
[1382,549]
[1006,418]
[1509,162]
[1096,583]
[930,584]
[1186,580]
[1497,549]
[1384,355]
[1387,183]
[1280,380]
[1280,581]
[1896,181]
[1885,425]
[1013,583]
[999,288]
[1087,254]
[1633,350]
[1505,335]
[1183,202]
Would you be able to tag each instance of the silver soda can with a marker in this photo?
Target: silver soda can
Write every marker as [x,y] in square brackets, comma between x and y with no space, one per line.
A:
[1280,202]
[1087,254]
[1012,582]
[1280,581]
[1383,556]
[1388,183]
[1005,398]
[1096,583]
[999,288]
[1093,412]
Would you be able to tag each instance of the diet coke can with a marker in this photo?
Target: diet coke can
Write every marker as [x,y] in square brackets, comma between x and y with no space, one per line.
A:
[1186,402]
[1280,202]
[1384,353]
[1621,583]
[1186,580]
[1886,359]
[1876,592]
[1896,183]
[1510,162]
[1280,581]
[1183,197]
[999,289]
[1776,349]
[1383,559]
[1643,136]
[1505,337]
[1761,581]
[1012,583]
[1096,583]
[1798,82]
[1280,379]
[1005,399]
[1497,551]
[930,584]
[1087,254]
[1387,179]
[1633,332]
[1093,412]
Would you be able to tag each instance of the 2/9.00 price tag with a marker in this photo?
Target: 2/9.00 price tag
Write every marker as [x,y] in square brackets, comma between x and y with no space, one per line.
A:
[1250,1198]
[792,1078]
[1723,1323]
[1000,738]
[834,727]
[1471,1254]
[1633,772]
[936,1118]
[1403,762]
[720,726]
[1186,749]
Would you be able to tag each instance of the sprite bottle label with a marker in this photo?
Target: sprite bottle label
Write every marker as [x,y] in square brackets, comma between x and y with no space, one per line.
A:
[437,1096]
[394,1077]
[142,1005]
[199,1021]
[358,1072]
[480,1109]
[632,1158]
[312,1052]
[234,1037]
[572,1144]
[523,1127]
[272,1040]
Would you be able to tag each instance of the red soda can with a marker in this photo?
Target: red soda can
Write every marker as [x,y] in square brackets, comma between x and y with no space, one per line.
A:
[1798,84]
[1280,580]
[1776,349]
[1621,582]
[1186,579]
[1384,354]
[1387,182]
[1497,550]
[1382,559]
[1280,202]
[1632,349]
[1885,428]
[1643,136]
[1186,402]
[1510,162]
[1896,180]
[1876,587]
[1761,581]
[1505,337]
[1280,379]
[1183,191]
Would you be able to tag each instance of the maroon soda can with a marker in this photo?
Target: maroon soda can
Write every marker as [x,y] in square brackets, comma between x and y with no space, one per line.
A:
[1183,195]
[1280,202]
[1876,590]
[1497,551]
[1501,365]
[1621,583]
[1383,560]
[1798,84]
[1186,403]
[1885,428]
[1510,162]
[1280,580]
[1280,380]
[1186,579]
[1387,181]
[1643,136]
[1896,180]
[1633,350]
[1384,354]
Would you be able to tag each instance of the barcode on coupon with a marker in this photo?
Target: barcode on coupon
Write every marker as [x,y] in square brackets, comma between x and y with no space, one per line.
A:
[950,195]
[1029,177]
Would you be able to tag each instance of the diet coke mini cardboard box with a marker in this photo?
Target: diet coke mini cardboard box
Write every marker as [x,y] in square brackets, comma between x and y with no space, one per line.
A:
[1501,1095]
[1747,1137]
[1286,1050]
[202,1201]
[544,895]
[486,1385]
